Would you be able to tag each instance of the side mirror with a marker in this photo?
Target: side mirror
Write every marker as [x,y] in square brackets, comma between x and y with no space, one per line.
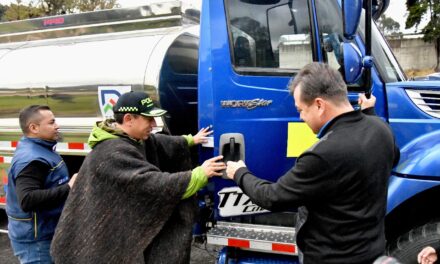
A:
[379,7]
[353,63]
[351,14]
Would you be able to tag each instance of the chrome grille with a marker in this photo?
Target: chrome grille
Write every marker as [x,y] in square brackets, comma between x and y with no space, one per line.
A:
[427,100]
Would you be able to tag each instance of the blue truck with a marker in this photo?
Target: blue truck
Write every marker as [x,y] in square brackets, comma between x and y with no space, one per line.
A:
[228,66]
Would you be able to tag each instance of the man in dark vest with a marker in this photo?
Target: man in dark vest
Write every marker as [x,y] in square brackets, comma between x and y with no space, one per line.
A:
[340,183]
[38,185]
[124,208]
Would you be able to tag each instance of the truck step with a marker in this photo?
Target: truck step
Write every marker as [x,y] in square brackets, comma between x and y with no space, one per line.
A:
[261,238]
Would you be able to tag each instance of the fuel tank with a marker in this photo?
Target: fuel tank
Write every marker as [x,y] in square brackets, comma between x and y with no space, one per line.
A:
[76,63]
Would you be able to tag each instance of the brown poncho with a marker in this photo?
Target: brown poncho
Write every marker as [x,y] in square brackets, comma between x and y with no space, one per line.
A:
[121,205]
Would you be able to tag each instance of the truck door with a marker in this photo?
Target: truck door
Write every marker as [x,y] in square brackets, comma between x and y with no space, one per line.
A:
[244,70]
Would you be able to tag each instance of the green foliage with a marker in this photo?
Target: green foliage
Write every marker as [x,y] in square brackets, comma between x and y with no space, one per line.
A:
[3,9]
[39,8]
[88,5]
[429,9]
[431,32]
[57,7]
[18,11]
[416,10]
[388,26]
[419,9]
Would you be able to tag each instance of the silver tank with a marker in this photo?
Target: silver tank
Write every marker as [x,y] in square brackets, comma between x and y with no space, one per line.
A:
[64,61]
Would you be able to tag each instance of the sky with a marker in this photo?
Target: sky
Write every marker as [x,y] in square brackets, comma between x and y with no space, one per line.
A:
[396,9]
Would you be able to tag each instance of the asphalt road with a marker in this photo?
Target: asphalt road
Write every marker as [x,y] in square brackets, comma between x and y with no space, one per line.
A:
[199,254]
[6,256]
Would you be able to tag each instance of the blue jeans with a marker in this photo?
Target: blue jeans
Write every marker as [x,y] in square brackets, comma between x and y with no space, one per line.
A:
[32,252]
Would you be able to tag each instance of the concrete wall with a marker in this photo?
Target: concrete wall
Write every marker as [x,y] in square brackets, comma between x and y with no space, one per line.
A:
[411,52]
[414,53]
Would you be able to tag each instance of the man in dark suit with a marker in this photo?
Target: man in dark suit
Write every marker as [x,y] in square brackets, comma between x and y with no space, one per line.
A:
[340,183]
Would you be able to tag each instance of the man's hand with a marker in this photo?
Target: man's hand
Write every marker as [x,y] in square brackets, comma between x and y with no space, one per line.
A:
[213,166]
[200,137]
[72,180]
[233,167]
[427,256]
[365,102]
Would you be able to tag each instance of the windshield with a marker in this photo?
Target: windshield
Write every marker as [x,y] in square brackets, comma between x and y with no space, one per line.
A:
[383,57]
[277,37]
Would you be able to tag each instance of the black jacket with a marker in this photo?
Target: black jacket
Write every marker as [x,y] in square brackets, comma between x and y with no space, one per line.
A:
[29,188]
[342,183]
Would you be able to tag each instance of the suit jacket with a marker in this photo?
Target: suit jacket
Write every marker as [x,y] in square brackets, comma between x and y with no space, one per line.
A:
[340,185]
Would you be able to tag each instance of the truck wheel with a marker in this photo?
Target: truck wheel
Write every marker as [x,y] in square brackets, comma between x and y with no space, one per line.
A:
[406,247]
[3,222]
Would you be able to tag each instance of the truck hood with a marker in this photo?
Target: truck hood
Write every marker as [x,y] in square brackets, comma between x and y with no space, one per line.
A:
[422,84]
[414,116]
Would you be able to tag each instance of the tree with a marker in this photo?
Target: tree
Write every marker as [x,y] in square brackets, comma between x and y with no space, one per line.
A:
[3,9]
[18,11]
[388,26]
[58,7]
[420,9]
[89,5]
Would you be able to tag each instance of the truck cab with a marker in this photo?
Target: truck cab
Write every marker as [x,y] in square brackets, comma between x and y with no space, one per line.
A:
[249,50]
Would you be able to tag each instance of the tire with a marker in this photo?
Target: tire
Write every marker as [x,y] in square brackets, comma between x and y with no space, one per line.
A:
[406,247]
[3,222]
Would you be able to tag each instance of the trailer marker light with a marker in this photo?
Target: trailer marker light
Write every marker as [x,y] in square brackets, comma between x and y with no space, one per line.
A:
[283,248]
[238,243]
[75,145]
